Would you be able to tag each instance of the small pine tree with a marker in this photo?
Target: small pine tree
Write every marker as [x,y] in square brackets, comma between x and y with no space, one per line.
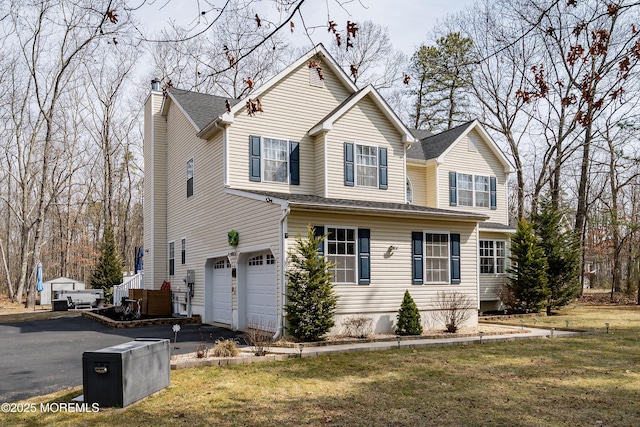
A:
[311,302]
[528,279]
[562,250]
[108,272]
[408,317]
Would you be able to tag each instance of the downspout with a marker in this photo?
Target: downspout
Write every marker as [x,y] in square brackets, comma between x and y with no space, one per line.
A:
[283,289]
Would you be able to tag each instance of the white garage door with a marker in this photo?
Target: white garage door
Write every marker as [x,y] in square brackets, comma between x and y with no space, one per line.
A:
[261,291]
[222,291]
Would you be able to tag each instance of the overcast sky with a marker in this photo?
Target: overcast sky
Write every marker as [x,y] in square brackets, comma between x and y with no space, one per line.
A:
[409,21]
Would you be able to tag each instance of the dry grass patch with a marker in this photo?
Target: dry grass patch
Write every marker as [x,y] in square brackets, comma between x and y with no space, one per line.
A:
[586,381]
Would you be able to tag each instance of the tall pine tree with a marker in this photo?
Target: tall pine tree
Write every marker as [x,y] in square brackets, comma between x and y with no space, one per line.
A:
[528,278]
[311,302]
[562,250]
[108,272]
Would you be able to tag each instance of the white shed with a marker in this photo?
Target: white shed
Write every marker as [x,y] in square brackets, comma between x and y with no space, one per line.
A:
[59,284]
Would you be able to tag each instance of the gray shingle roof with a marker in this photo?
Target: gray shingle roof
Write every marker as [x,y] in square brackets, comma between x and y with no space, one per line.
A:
[421,133]
[201,107]
[433,146]
[311,201]
[496,226]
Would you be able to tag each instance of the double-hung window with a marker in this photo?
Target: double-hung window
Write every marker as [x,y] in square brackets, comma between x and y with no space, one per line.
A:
[367,166]
[493,256]
[482,191]
[436,258]
[472,190]
[190,177]
[465,189]
[276,160]
[183,251]
[350,249]
[341,250]
[172,258]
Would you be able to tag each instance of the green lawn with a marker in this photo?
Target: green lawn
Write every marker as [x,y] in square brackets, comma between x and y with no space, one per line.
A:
[592,380]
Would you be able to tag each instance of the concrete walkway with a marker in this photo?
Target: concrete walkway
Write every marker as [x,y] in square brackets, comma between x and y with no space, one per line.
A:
[283,353]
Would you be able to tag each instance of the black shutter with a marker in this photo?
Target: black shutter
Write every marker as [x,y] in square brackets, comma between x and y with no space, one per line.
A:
[364,256]
[382,168]
[453,195]
[492,187]
[455,258]
[417,270]
[254,158]
[318,231]
[348,165]
[294,163]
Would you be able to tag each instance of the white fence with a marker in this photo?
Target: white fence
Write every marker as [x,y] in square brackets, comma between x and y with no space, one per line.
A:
[122,290]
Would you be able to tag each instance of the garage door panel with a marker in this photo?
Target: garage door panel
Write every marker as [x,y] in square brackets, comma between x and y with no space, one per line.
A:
[261,291]
[221,289]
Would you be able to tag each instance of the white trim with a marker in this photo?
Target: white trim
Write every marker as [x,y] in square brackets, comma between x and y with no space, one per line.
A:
[326,166]
[473,185]
[406,198]
[508,168]
[165,109]
[495,257]
[169,258]
[404,172]
[357,251]
[193,173]
[283,203]
[152,144]
[263,158]
[183,239]
[225,154]
[327,124]
[424,257]
[355,165]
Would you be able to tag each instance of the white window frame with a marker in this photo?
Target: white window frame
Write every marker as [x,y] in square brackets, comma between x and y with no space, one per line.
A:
[171,247]
[355,255]
[409,191]
[494,256]
[190,173]
[474,191]
[447,258]
[183,251]
[356,165]
[264,160]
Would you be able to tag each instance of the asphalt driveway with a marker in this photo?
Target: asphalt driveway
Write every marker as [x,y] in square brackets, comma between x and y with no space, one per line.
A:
[44,356]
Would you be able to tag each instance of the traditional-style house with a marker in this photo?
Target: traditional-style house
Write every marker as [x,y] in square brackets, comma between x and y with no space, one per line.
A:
[229,184]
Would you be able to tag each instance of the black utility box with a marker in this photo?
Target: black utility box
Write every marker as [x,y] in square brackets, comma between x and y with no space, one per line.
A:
[125,373]
[60,305]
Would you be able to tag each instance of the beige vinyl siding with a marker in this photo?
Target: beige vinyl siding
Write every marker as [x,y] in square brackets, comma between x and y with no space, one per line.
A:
[391,274]
[365,124]
[431,173]
[291,108]
[491,283]
[205,218]
[482,162]
[155,214]
[418,176]
[320,176]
